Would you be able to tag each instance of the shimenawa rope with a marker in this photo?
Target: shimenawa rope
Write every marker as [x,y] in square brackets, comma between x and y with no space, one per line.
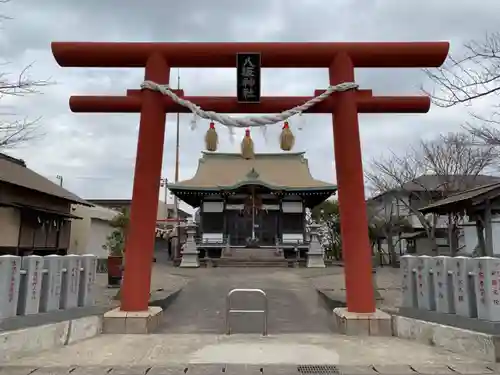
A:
[249,121]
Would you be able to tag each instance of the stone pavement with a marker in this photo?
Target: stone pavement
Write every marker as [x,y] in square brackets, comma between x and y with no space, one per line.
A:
[162,278]
[283,349]
[236,369]
[293,305]
[191,339]
[388,280]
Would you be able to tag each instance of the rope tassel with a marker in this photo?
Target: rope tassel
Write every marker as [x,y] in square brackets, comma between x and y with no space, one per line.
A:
[247,150]
[211,138]
[287,139]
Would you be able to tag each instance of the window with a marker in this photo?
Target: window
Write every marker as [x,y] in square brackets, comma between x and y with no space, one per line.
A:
[292,222]
[212,222]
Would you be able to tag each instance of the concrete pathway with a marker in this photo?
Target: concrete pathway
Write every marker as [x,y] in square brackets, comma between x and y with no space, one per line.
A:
[290,349]
[294,306]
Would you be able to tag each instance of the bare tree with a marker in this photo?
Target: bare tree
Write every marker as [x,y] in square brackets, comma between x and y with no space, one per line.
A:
[474,75]
[384,222]
[485,131]
[452,159]
[13,131]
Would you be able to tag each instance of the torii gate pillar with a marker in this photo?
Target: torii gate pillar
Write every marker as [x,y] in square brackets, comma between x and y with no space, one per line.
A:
[352,206]
[140,242]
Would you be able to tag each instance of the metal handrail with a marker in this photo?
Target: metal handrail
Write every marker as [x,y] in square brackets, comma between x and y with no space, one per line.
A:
[229,310]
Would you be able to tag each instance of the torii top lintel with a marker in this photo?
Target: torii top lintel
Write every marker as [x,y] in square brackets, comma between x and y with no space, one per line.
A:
[273,55]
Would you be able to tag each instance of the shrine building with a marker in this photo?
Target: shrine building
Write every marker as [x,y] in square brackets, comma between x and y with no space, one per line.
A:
[248,203]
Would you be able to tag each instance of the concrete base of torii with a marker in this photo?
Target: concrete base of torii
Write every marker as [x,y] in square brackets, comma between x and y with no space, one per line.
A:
[378,323]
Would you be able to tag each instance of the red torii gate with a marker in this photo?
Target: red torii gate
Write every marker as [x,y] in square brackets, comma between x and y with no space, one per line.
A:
[339,58]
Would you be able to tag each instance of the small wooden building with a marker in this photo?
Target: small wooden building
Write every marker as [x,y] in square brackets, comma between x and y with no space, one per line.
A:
[257,202]
[35,213]
[479,204]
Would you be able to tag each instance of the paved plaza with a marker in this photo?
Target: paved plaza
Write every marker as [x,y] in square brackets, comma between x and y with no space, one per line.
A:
[192,335]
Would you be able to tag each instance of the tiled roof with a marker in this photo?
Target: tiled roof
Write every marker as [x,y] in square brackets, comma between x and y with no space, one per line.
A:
[432,183]
[465,199]
[15,172]
[286,171]
[125,203]
[449,183]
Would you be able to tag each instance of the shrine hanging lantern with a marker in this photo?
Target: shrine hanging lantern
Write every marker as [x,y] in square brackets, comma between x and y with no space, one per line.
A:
[247,149]
[287,139]
[211,138]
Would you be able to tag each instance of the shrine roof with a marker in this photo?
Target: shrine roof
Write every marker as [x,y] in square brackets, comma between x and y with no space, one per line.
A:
[276,171]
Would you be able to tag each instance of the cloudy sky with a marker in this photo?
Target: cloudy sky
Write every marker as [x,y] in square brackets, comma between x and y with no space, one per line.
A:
[95,153]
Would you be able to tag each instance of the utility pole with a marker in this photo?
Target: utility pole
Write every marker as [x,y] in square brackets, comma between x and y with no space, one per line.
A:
[176,178]
[60,178]
[164,183]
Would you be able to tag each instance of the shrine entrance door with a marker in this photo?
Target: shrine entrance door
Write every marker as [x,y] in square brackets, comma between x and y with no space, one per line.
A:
[239,228]
[266,224]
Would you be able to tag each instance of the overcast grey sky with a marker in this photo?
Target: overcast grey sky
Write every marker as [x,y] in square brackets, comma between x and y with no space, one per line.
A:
[95,153]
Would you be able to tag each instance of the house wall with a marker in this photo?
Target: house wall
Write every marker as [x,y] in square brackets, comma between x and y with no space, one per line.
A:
[163,208]
[391,205]
[89,234]
[384,208]
[32,230]
[424,246]
[79,231]
[99,232]
[471,240]
[397,206]
[470,237]
[163,211]
[10,220]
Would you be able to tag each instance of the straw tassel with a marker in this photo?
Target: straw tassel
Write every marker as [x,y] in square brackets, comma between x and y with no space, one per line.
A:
[211,138]
[287,139]
[247,150]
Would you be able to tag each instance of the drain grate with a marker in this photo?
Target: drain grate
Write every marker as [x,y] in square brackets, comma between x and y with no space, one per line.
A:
[318,370]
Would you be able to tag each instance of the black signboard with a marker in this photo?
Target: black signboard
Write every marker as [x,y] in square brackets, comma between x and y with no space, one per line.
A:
[248,77]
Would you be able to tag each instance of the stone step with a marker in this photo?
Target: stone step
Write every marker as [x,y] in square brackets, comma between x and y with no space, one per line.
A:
[281,264]
[253,254]
[254,263]
[235,262]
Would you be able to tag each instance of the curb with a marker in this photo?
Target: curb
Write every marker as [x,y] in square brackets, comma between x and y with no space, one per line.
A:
[28,341]
[479,345]
[331,300]
[475,344]
[24,336]
[163,298]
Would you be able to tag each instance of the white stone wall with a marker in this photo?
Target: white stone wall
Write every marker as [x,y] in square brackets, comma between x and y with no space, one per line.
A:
[467,287]
[35,284]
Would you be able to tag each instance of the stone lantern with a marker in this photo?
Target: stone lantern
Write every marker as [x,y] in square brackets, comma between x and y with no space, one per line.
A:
[315,254]
[190,258]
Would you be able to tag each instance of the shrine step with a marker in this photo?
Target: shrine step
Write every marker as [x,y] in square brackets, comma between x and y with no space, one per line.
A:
[251,254]
[225,262]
